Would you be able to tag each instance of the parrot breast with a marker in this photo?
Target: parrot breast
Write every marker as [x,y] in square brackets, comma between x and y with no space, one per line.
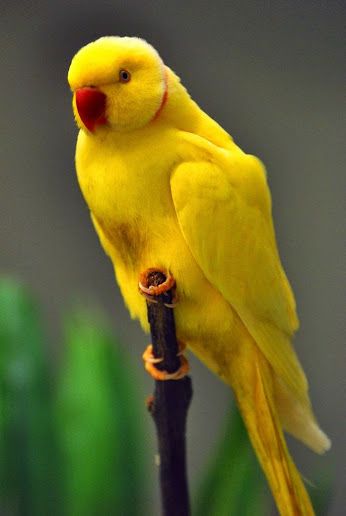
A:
[127,241]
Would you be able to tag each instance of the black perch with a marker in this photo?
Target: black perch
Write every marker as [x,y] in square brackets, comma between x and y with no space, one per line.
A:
[170,402]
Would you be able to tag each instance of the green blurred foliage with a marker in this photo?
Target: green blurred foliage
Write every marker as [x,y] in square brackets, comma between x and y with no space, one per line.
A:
[71,441]
[97,421]
[27,449]
[234,484]
[69,446]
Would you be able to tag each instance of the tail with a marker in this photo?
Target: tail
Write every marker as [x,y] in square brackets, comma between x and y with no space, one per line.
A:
[252,380]
[298,419]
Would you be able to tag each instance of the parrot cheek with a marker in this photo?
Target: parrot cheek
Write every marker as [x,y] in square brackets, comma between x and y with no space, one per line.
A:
[91,107]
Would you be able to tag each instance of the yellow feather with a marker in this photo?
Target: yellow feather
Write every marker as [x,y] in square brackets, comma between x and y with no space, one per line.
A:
[167,187]
[254,392]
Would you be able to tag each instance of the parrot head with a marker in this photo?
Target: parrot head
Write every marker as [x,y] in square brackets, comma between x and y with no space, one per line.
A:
[117,82]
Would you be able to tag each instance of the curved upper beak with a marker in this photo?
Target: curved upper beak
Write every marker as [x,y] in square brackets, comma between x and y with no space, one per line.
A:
[91,106]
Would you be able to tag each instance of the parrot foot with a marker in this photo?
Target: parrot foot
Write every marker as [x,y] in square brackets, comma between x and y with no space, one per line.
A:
[163,283]
[150,361]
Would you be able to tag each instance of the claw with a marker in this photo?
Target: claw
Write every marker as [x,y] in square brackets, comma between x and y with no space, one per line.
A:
[155,290]
[150,292]
[173,304]
[149,357]
[148,297]
[150,361]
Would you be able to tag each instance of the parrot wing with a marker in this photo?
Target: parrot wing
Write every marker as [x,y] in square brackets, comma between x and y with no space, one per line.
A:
[224,211]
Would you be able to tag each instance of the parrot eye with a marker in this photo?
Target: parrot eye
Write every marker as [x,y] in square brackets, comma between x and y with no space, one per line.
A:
[124,76]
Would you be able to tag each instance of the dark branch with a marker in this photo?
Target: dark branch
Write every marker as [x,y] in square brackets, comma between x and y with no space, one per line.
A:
[170,403]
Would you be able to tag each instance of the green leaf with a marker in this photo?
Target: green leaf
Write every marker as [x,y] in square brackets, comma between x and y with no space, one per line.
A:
[234,484]
[27,466]
[98,424]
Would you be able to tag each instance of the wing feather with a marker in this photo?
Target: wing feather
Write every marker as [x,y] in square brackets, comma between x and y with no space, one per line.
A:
[225,216]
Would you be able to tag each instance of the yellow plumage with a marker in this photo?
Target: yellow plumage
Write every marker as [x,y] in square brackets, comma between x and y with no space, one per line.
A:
[167,187]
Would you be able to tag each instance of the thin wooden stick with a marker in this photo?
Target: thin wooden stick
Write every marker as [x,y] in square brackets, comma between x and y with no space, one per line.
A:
[170,403]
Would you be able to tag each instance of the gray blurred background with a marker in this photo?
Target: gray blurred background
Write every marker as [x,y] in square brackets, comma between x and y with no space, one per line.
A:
[272,73]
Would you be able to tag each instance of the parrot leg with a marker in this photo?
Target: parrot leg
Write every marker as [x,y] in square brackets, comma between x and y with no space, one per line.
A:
[165,282]
[150,361]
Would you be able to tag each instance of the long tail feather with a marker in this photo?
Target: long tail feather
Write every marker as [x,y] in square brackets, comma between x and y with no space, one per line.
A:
[252,381]
[298,419]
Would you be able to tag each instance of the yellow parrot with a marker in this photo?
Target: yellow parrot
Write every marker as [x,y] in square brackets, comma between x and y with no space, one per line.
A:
[168,188]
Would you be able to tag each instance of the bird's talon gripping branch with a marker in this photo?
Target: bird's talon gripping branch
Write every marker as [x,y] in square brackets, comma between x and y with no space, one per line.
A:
[149,357]
[164,280]
[150,361]
[173,304]
[150,298]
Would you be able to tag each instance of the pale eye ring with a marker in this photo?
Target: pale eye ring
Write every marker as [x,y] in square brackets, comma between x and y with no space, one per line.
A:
[124,76]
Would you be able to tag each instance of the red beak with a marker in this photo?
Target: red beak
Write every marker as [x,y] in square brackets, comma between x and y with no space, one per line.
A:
[91,106]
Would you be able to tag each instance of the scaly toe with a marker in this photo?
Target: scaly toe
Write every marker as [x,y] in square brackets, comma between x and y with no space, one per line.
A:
[155,290]
[148,356]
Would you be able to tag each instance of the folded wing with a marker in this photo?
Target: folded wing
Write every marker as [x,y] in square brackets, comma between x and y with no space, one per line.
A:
[224,211]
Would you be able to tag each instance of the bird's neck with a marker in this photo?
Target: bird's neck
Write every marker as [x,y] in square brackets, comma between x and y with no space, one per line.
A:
[183,113]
